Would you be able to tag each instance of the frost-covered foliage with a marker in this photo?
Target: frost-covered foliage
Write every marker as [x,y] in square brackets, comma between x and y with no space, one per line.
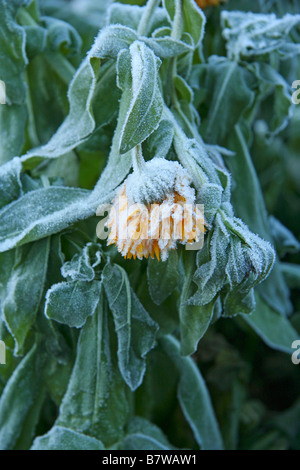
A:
[103,352]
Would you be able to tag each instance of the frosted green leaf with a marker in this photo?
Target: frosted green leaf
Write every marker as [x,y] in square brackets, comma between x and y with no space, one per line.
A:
[81,267]
[194,319]
[211,260]
[60,438]
[10,182]
[13,59]
[111,40]
[250,207]
[143,435]
[160,141]
[136,331]
[162,278]
[254,34]
[229,95]
[194,398]
[24,289]
[146,104]
[40,213]
[284,239]
[166,47]
[79,123]
[271,82]
[95,402]
[274,329]
[130,15]
[78,298]
[21,396]
[12,131]
[62,36]
[291,273]
[194,20]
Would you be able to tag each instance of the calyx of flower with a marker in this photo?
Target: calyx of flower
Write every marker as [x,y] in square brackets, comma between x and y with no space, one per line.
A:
[156,180]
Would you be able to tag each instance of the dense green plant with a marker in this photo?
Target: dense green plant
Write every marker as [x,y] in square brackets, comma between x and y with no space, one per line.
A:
[104,352]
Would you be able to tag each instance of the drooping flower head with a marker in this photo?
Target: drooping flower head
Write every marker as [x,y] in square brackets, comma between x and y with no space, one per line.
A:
[154,210]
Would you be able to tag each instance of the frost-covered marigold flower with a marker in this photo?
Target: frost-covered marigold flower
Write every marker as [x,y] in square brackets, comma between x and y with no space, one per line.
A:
[154,210]
[209,3]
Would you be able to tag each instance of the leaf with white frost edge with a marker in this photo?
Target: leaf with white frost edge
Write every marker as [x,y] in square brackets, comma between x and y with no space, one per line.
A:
[71,303]
[136,331]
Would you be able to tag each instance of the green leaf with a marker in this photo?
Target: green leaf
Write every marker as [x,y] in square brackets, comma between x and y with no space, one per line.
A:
[60,438]
[79,123]
[250,261]
[13,59]
[130,15]
[194,319]
[162,278]
[210,196]
[106,96]
[136,331]
[160,141]
[291,273]
[211,261]
[24,289]
[284,240]
[271,82]
[169,6]
[78,298]
[194,398]
[167,47]
[146,105]
[143,435]
[36,40]
[113,39]
[254,34]
[40,213]
[81,267]
[184,90]
[126,15]
[12,131]
[7,261]
[10,182]
[95,403]
[19,396]
[228,95]
[61,36]
[194,20]
[274,329]
[250,206]
[52,96]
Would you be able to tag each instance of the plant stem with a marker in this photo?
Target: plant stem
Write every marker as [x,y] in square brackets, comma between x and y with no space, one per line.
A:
[177,23]
[145,21]
[180,144]
[172,66]
[32,130]
[137,159]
